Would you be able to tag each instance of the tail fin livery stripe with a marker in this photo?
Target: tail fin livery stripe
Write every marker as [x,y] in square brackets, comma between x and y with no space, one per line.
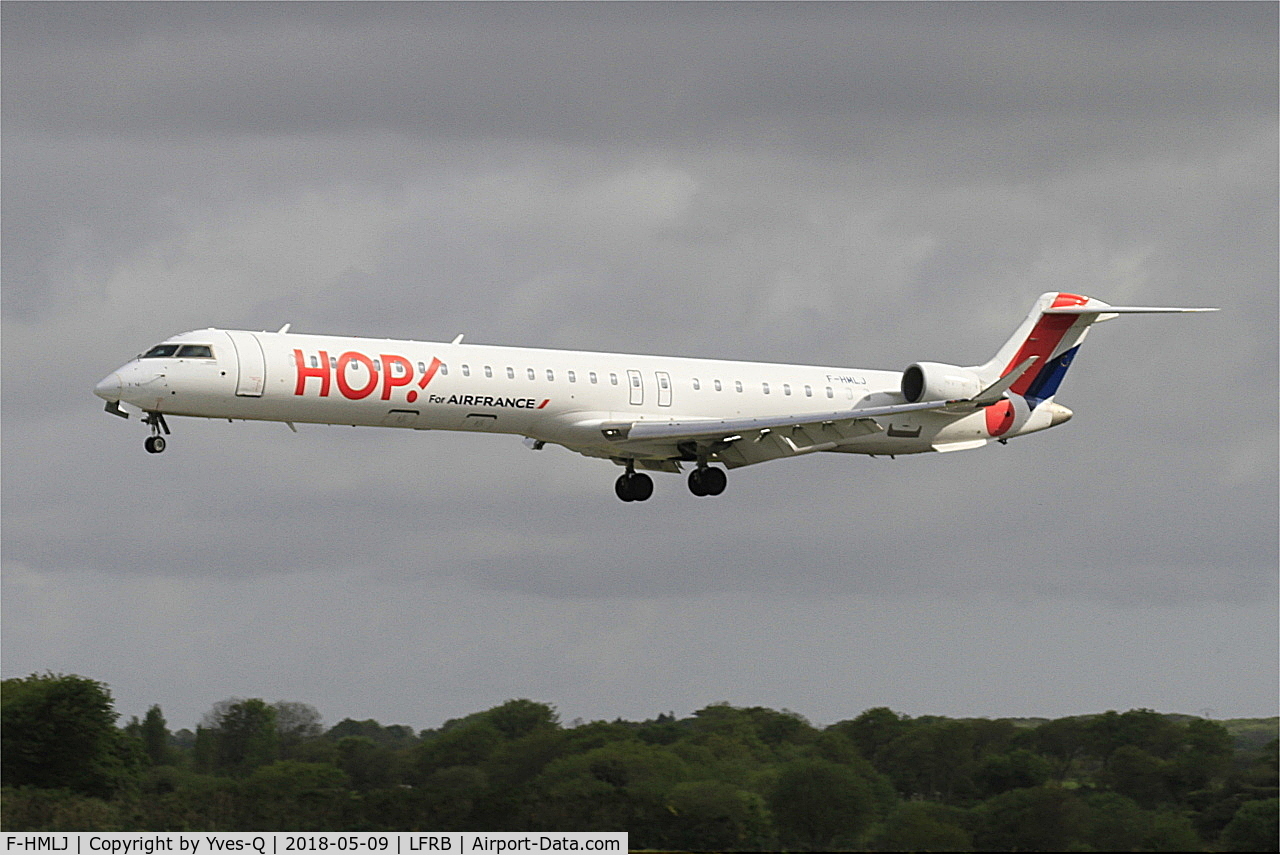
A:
[1046,382]
[1044,339]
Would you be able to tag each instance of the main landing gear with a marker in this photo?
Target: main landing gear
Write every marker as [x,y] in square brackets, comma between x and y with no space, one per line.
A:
[633,486]
[155,443]
[707,481]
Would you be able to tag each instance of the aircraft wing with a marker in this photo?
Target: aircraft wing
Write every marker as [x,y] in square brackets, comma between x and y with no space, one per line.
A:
[704,428]
[743,441]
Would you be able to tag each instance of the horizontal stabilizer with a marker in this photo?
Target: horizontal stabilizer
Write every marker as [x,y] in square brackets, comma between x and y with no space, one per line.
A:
[1100,308]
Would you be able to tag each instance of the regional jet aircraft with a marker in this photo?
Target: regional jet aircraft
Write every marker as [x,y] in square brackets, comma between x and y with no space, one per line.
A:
[654,413]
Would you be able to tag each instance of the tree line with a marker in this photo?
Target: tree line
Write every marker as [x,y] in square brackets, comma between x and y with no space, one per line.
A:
[725,779]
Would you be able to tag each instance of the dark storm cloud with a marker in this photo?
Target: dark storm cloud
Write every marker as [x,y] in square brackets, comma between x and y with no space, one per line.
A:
[840,77]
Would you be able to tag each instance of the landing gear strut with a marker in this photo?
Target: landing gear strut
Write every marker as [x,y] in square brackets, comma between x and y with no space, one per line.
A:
[155,443]
[633,486]
[707,481]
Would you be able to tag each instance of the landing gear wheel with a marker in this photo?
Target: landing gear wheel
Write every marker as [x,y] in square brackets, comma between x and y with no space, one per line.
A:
[154,444]
[623,488]
[707,481]
[633,487]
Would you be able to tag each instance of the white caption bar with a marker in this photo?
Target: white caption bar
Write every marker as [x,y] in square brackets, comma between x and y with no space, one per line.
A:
[330,843]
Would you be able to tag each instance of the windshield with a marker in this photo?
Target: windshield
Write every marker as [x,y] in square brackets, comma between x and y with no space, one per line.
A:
[182,351]
[161,350]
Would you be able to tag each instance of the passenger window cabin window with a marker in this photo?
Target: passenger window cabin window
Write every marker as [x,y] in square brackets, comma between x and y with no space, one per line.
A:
[786,388]
[718,386]
[591,375]
[315,362]
[613,379]
[573,378]
[511,373]
[551,375]
[377,365]
[422,369]
[808,391]
[766,388]
[532,376]
[737,385]
[488,371]
[444,369]
[696,384]
[848,393]
[830,392]
[466,370]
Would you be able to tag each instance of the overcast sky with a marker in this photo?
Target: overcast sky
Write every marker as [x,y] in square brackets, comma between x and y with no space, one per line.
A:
[856,185]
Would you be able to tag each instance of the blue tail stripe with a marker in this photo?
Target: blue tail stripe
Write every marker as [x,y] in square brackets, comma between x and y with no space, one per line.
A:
[1049,377]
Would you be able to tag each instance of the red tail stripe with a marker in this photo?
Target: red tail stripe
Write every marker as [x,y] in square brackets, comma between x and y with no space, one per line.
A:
[1045,337]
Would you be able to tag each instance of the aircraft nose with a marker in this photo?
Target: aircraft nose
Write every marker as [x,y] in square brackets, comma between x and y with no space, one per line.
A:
[1058,414]
[108,387]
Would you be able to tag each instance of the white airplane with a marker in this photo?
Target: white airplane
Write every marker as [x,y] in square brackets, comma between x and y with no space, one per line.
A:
[641,412]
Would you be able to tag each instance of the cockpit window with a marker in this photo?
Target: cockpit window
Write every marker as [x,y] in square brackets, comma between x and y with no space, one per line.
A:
[161,350]
[195,351]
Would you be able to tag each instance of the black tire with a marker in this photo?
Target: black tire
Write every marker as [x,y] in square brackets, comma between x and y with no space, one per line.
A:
[714,481]
[697,485]
[154,444]
[641,487]
[623,488]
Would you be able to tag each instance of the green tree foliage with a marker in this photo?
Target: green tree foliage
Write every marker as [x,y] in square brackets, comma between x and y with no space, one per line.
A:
[1254,828]
[617,787]
[925,827]
[716,816]
[58,731]
[241,736]
[155,738]
[296,723]
[820,806]
[724,779]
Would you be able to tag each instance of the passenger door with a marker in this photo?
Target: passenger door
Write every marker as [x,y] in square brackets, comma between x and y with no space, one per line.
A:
[251,362]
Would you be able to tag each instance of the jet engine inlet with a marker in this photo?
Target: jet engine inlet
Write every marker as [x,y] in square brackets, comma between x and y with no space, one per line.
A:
[937,381]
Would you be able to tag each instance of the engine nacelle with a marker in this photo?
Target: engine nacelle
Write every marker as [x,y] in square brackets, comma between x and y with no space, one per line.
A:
[937,381]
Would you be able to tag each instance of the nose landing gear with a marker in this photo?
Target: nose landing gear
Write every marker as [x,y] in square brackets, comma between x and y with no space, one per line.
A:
[155,443]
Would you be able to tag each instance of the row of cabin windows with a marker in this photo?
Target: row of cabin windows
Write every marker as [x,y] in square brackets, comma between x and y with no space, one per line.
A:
[198,351]
[592,377]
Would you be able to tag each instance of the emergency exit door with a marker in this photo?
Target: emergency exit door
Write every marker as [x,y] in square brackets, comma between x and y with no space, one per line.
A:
[636,383]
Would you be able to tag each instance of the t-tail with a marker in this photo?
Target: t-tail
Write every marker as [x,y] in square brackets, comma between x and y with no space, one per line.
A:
[1049,338]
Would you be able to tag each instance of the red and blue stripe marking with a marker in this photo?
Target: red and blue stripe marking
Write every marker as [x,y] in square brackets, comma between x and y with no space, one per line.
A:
[1042,381]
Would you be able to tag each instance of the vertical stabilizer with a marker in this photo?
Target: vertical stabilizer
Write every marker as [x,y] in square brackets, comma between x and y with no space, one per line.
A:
[1053,332]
